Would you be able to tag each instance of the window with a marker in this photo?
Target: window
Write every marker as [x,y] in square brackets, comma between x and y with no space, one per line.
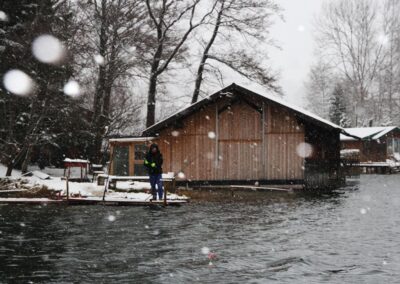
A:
[396,145]
[140,154]
[393,146]
[121,161]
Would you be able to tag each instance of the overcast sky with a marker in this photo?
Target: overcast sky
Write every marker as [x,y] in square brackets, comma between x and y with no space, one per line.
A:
[296,40]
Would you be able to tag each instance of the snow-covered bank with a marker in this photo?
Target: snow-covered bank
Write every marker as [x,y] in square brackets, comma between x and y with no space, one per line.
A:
[85,189]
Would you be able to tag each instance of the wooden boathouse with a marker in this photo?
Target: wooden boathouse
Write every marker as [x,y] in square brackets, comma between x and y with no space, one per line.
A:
[236,136]
[378,147]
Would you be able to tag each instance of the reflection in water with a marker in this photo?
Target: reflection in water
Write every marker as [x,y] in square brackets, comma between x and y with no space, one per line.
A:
[348,237]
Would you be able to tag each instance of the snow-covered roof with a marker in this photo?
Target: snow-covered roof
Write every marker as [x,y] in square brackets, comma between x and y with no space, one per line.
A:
[372,133]
[68,160]
[132,139]
[233,87]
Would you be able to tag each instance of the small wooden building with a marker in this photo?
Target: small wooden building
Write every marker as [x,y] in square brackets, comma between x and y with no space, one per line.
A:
[375,144]
[236,136]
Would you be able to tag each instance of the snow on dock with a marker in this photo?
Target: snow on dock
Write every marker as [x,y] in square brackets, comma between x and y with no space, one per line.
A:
[82,193]
[93,201]
[30,200]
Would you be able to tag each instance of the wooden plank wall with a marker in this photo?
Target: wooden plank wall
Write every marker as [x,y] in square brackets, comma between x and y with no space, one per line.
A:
[322,168]
[242,153]
[283,134]
[189,149]
[370,151]
[240,143]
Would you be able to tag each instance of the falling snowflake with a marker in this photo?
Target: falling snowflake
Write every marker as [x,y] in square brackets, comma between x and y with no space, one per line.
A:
[111,218]
[205,250]
[304,150]
[48,49]
[211,135]
[72,89]
[301,28]
[383,39]
[18,82]
[175,133]
[363,211]
[3,16]
[181,175]
[99,59]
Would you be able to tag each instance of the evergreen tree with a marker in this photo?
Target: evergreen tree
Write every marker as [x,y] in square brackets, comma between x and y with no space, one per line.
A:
[337,108]
[38,119]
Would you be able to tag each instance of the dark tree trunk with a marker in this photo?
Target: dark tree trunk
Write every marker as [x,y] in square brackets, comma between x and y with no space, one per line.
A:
[98,103]
[27,159]
[151,101]
[200,70]
[10,168]
[151,95]
[110,77]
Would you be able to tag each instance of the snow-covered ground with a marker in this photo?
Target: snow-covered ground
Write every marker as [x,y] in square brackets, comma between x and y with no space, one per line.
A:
[86,189]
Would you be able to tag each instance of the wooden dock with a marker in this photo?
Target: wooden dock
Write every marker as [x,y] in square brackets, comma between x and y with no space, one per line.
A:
[93,201]
[377,167]
[123,202]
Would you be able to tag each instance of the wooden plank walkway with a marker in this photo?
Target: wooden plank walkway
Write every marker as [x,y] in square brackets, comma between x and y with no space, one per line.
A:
[281,188]
[30,200]
[92,201]
[123,202]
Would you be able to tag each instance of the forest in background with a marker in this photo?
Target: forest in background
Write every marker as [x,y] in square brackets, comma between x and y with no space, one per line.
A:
[121,66]
[355,79]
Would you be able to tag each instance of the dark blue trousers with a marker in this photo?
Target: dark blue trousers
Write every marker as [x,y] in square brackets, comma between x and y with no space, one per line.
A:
[155,180]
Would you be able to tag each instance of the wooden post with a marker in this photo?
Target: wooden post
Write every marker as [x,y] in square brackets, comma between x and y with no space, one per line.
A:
[165,195]
[263,148]
[67,187]
[216,137]
[106,182]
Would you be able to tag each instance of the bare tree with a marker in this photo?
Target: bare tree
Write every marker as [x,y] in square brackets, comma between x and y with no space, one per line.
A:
[319,86]
[347,34]
[166,18]
[114,35]
[29,118]
[389,71]
[244,19]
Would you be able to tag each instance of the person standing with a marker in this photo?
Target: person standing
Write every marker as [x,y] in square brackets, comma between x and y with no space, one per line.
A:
[153,162]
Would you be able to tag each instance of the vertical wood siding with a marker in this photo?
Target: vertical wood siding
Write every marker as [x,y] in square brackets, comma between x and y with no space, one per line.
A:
[240,144]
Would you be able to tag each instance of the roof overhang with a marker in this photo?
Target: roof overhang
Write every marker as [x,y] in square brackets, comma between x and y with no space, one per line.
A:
[366,133]
[131,139]
[233,90]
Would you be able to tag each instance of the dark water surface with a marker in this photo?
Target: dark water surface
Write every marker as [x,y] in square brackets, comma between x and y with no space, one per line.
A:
[352,237]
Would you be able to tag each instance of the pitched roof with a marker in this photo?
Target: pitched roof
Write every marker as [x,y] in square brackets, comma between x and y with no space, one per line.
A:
[131,139]
[239,90]
[367,133]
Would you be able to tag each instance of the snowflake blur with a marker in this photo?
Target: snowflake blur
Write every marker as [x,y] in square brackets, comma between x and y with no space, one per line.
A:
[3,16]
[99,59]
[211,135]
[72,89]
[304,150]
[111,218]
[18,82]
[48,49]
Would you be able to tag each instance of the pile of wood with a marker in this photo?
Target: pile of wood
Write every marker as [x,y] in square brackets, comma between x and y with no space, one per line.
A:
[21,188]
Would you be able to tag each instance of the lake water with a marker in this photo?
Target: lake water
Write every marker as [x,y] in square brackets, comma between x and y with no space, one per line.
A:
[349,237]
